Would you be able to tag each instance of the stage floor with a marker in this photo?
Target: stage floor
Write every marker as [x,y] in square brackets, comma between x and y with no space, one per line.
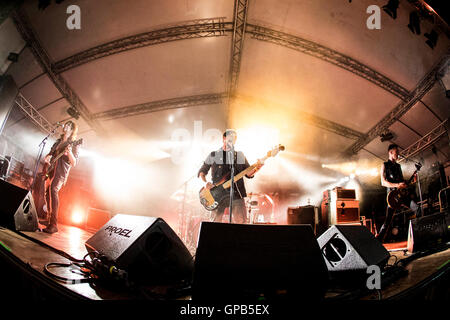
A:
[69,241]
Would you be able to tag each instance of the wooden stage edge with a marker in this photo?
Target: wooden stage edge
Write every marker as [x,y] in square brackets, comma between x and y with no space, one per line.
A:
[36,249]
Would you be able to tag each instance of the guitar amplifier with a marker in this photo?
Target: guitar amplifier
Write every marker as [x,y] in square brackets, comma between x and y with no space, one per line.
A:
[344,193]
[303,215]
[344,212]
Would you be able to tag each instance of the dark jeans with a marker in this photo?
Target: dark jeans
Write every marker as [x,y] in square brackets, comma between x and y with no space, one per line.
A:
[389,218]
[52,198]
[239,213]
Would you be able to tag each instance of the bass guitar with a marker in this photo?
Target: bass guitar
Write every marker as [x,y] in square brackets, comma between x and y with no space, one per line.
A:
[210,198]
[48,170]
[397,198]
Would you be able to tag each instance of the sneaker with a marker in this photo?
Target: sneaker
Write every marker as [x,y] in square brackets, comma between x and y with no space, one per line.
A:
[50,229]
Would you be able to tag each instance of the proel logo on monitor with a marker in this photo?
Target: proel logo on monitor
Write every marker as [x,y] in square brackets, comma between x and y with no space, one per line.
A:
[119,231]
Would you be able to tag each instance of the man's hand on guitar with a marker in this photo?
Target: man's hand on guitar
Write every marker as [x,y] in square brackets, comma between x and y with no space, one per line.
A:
[47,158]
[68,150]
[209,185]
[401,185]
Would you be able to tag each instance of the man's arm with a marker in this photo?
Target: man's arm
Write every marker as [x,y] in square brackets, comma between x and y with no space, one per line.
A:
[49,156]
[203,172]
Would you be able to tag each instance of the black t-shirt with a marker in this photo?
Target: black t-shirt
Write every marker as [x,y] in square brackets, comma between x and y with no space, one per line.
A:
[393,173]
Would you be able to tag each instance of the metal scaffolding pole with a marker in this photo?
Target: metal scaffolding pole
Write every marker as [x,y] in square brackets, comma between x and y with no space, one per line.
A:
[421,89]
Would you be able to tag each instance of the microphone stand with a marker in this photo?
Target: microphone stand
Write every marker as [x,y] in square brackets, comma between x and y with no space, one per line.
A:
[230,209]
[418,165]
[41,151]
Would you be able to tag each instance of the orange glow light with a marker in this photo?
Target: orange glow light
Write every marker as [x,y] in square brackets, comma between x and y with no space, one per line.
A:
[77,216]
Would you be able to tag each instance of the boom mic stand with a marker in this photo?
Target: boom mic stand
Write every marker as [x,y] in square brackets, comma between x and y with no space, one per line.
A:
[231,152]
[41,151]
[418,165]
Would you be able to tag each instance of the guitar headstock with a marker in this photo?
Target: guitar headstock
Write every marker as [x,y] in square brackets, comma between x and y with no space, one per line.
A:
[274,151]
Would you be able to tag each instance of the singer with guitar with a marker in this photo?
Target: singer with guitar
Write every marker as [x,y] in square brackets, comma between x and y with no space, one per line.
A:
[392,178]
[61,158]
[219,163]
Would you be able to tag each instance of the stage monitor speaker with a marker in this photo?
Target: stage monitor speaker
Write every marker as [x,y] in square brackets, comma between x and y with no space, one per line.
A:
[349,248]
[146,247]
[243,261]
[17,209]
[428,232]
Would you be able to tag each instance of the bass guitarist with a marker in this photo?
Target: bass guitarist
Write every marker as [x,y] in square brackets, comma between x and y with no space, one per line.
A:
[392,178]
[219,162]
[60,174]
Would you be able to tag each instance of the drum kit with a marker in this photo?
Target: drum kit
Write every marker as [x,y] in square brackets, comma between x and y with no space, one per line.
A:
[259,208]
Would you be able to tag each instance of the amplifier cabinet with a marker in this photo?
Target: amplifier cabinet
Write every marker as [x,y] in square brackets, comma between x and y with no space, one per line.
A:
[343,211]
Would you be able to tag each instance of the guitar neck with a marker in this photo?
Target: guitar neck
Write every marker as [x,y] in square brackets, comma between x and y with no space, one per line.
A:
[412,177]
[241,174]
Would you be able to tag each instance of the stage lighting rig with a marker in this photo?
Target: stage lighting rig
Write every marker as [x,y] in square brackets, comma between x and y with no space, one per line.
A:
[13,57]
[414,22]
[73,112]
[432,39]
[391,8]
[386,136]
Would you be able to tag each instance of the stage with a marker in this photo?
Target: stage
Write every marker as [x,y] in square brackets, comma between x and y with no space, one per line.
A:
[24,254]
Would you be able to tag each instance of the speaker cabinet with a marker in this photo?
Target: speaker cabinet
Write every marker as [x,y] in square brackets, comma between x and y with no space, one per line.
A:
[344,211]
[303,215]
[429,231]
[146,247]
[17,209]
[239,261]
[347,248]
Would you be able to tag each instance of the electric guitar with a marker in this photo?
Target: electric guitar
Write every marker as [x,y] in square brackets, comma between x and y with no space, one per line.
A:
[396,198]
[48,170]
[210,198]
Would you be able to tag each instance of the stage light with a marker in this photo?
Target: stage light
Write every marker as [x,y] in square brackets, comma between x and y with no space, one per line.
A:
[386,136]
[170,118]
[432,39]
[73,112]
[13,57]
[77,216]
[352,176]
[414,22]
[391,8]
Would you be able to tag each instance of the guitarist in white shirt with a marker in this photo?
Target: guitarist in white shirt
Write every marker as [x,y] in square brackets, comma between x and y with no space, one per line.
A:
[219,163]
[61,171]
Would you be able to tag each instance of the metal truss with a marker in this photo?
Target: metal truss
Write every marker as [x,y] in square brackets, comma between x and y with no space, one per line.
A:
[237,44]
[200,28]
[421,89]
[33,114]
[153,106]
[425,141]
[316,50]
[330,126]
[311,119]
[25,29]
